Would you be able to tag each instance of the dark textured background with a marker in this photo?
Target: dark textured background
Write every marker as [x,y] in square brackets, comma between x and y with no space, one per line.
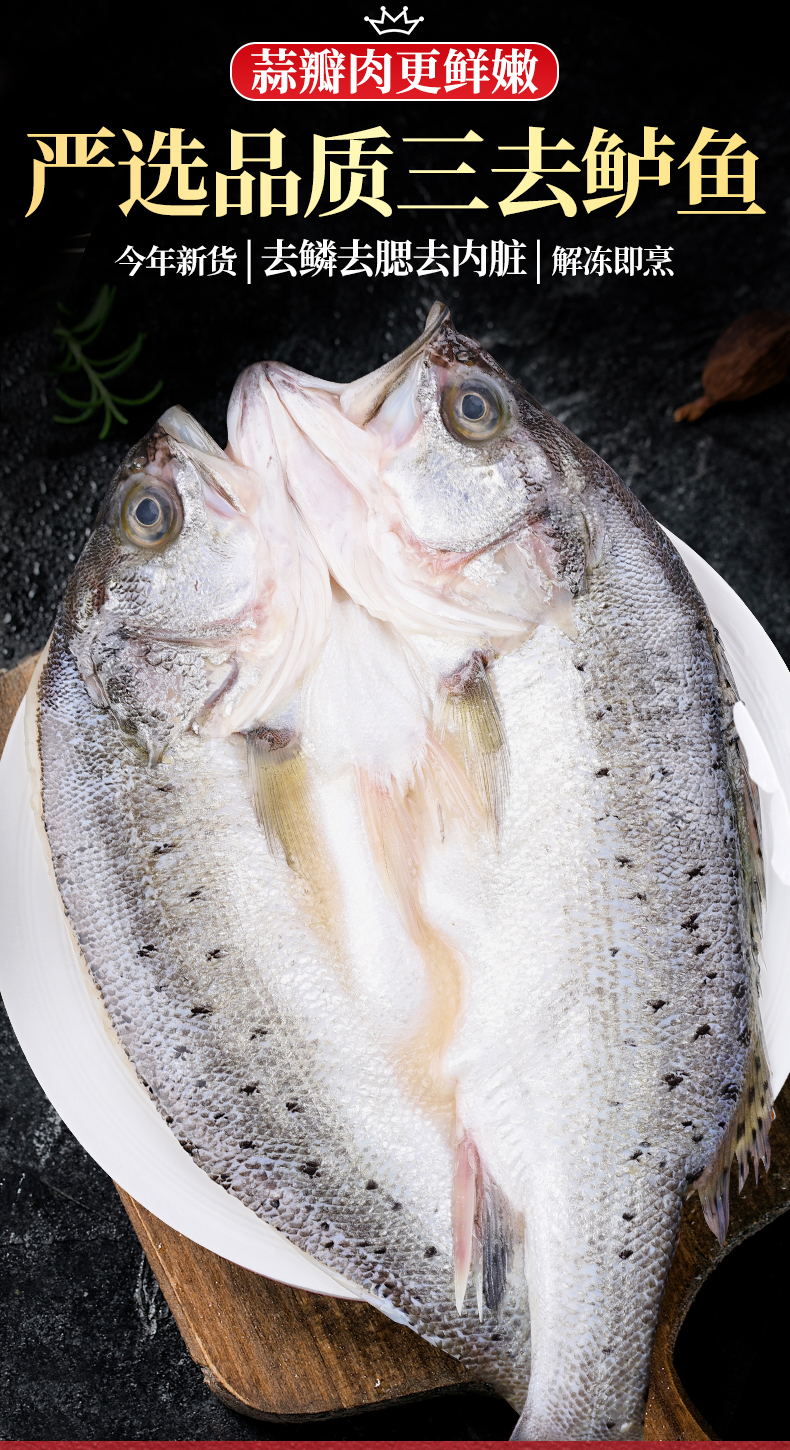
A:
[89,1349]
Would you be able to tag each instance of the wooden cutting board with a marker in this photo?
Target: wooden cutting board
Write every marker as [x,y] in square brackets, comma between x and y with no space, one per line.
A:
[278,1353]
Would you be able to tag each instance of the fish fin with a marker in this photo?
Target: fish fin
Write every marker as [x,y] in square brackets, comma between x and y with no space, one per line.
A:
[465,1175]
[496,1233]
[483,1230]
[747,1133]
[714,1192]
[281,796]
[470,725]
[747,797]
[395,840]
[750,1124]
[446,791]
[477,1271]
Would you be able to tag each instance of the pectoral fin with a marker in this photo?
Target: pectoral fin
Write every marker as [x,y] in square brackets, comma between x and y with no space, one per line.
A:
[470,725]
[280,793]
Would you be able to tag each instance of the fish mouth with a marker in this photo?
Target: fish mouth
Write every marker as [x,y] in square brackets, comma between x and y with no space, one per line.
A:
[360,400]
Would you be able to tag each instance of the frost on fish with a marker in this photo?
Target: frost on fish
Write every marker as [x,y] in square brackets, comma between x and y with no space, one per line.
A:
[394,797]
[609,1055]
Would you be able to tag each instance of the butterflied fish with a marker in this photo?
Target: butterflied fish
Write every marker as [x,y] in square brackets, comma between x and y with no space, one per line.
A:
[604,1051]
[230,749]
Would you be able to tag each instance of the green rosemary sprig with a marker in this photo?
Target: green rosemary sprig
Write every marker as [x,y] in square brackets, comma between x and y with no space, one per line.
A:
[74,341]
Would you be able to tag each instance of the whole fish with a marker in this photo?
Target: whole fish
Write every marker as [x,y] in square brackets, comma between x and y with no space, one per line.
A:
[214,718]
[601,1050]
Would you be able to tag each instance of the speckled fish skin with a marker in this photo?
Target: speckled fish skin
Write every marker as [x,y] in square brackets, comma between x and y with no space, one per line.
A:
[263,1041]
[624,1038]
[610,1051]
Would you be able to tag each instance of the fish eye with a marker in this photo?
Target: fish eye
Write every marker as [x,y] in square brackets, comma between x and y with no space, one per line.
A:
[475,411]
[473,406]
[151,515]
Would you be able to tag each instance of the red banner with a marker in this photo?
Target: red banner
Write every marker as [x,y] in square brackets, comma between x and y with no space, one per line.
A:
[513,70]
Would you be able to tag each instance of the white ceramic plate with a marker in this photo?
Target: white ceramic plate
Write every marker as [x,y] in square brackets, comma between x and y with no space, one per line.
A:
[71,1047]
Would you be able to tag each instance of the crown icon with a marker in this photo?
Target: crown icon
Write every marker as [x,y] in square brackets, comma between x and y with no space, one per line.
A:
[394,28]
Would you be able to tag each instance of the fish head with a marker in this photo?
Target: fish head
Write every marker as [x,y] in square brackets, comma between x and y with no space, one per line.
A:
[183,609]
[474,462]
[444,497]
